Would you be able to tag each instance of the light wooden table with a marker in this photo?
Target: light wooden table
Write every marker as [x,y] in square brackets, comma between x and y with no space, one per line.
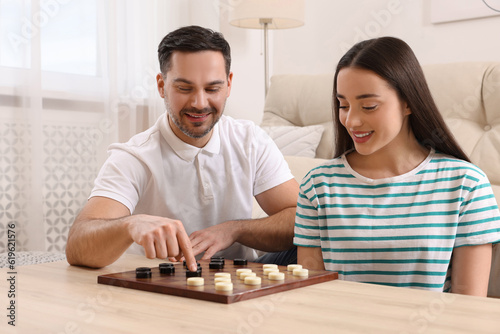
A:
[58,298]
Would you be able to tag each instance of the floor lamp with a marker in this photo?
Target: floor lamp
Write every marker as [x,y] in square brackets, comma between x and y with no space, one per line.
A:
[267,14]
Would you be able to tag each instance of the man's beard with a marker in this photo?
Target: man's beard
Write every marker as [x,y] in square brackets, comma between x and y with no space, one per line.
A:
[189,132]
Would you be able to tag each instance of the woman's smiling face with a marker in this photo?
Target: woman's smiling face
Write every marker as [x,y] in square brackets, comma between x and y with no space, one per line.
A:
[371,111]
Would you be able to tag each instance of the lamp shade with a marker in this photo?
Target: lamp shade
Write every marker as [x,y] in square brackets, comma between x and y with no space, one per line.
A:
[279,14]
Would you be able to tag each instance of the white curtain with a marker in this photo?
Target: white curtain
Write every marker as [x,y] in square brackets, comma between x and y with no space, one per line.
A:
[75,75]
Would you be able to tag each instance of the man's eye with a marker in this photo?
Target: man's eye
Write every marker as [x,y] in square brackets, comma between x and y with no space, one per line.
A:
[213,90]
[184,89]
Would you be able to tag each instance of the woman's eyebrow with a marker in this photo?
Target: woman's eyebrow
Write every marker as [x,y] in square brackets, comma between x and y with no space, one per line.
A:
[359,97]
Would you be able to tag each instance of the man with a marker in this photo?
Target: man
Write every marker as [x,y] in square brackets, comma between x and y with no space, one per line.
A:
[186,185]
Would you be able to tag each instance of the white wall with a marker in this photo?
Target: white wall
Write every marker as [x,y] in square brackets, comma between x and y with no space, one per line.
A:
[332,26]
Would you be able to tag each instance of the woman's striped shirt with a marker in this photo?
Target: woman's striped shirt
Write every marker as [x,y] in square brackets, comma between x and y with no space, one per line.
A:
[397,231]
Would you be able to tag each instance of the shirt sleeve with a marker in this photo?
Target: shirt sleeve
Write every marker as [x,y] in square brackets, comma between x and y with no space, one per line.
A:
[120,178]
[271,167]
[307,229]
[479,218]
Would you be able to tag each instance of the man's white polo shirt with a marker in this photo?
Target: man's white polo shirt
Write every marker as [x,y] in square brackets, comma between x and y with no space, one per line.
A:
[158,174]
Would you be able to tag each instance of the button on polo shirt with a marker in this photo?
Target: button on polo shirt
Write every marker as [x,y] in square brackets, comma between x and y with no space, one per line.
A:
[198,157]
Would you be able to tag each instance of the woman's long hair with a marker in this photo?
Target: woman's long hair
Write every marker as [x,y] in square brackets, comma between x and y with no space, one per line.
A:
[394,61]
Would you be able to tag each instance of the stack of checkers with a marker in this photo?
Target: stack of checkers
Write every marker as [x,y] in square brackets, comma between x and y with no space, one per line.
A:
[165,269]
[143,272]
[196,273]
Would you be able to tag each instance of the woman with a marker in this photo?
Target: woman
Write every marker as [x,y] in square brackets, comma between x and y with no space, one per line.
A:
[400,204]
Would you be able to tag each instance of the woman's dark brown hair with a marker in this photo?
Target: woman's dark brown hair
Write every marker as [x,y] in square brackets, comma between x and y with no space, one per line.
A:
[394,61]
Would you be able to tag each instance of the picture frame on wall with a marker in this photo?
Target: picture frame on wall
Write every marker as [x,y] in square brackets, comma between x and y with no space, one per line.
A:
[443,11]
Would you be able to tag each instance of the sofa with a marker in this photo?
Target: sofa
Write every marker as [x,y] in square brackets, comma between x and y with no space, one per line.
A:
[298,116]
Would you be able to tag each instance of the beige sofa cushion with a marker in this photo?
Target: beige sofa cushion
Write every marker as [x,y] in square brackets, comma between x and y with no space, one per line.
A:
[302,100]
[468,96]
[299,141]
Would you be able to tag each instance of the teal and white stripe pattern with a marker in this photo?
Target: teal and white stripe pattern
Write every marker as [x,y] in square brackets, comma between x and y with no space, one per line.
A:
[397,231]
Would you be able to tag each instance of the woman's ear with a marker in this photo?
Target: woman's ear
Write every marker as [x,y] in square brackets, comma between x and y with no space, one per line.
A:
[407,110]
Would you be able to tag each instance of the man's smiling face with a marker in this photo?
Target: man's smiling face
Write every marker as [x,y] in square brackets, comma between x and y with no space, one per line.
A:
[195,90]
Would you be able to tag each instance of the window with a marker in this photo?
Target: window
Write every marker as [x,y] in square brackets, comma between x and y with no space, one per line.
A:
[69,39]
[67,32]
[60,36]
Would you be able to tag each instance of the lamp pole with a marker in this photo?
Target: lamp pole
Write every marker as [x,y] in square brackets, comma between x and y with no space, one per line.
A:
[265,22]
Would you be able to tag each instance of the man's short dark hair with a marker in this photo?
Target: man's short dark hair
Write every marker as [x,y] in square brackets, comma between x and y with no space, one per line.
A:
[192,39]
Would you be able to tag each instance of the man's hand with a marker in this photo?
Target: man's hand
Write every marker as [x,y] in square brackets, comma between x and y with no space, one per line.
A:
[213,239]
[104,229]
[161,238]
